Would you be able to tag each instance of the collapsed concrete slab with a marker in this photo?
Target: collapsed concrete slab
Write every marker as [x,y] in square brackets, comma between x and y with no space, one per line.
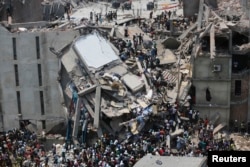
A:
[168,57]
[133,82]
[98,56]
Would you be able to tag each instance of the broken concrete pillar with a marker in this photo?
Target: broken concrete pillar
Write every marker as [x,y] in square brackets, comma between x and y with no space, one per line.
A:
[206,30]
[90,110]
[97,106]
[200,14]
[212,42]
[77,116]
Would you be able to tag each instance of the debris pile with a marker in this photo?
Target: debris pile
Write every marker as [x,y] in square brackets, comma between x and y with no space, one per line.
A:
[129,85]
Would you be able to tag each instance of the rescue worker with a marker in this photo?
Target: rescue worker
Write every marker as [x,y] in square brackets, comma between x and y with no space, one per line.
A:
[126,31]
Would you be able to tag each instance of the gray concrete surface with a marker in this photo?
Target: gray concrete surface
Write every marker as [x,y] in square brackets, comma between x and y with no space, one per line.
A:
[29,88]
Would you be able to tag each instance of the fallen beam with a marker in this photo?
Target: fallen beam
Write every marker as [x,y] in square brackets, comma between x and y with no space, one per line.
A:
[206,30]
[90,98]
[176,133]
[86,91]
[219,127]
[216,15]
[97,106]
[88,107]
[143,76]
[186,32]
[215,118]
[76,122]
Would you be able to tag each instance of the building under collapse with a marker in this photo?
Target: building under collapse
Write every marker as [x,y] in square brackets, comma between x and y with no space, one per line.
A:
[50,71]
[221,63]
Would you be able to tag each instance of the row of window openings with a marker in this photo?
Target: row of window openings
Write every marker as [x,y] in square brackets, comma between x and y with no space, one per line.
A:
[39,70]
[39,77]
[37,48]
[19,107]
[40,84]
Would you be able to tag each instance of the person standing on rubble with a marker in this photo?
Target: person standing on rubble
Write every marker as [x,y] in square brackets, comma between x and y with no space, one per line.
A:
[125,30]
[91,16]
[111,15]
[135,42]
[100,18]
[129,44]
[151,15]
[67,10]
[140,39]
[96,19]
[169,14]
[153,52]
[122,8]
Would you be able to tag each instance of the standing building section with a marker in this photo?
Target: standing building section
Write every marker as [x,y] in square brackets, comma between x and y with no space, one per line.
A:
[28,78]
[221,67]
[212,77]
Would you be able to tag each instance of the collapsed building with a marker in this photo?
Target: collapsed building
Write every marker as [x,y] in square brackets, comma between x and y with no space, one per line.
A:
[71,67]
[37,77]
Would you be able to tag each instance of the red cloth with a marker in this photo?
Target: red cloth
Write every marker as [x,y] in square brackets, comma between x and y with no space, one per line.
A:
[161,151]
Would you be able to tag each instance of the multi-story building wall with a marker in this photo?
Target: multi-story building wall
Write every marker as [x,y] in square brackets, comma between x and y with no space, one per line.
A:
[212,78]
[29,86]
[240,92]
[226,76]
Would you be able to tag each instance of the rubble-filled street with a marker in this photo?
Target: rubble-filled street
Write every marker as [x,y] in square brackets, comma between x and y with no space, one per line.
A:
[129,78]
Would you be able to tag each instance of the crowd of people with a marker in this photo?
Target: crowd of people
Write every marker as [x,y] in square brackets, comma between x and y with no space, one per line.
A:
[21,147]
[179,23]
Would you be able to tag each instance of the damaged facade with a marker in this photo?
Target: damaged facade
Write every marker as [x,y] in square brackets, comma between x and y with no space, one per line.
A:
[78,70]
[221,64]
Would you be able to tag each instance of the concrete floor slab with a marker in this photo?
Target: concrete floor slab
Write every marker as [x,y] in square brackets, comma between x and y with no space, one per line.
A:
[133,82]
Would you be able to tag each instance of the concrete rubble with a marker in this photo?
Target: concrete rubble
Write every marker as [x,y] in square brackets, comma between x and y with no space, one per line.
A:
[133,89]
[119,86]
[132,85]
